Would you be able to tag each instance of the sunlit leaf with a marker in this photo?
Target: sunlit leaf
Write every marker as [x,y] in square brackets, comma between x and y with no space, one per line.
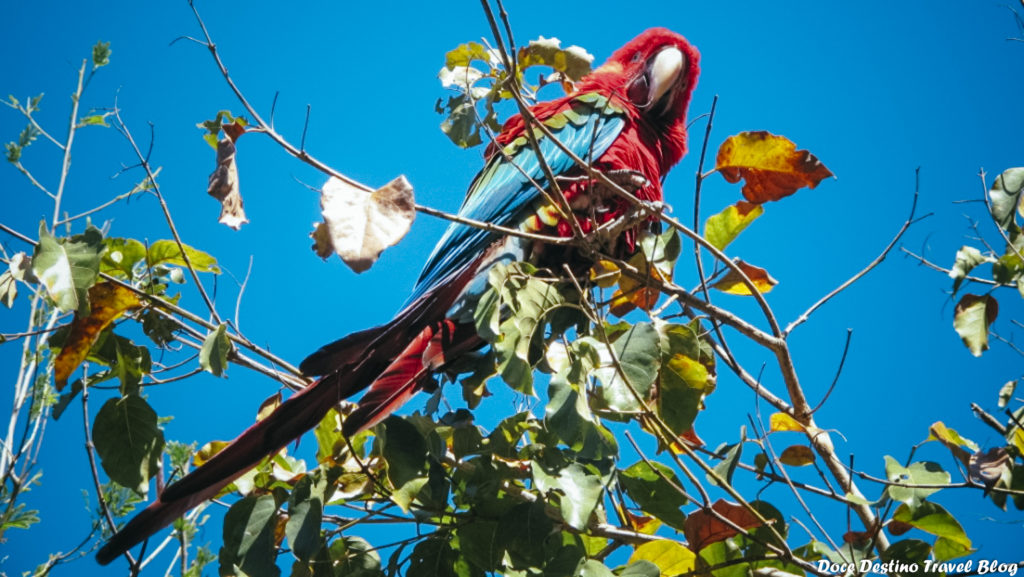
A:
[771,165]
[932,518]
[168,252]
[1006,393]
[605,273]
[580,489]
[797,456]
[637,351]
[972,318]
[732,283]
[784,422]
[922,473]
[723,228]
[670,557]
[128,441]
[1005,196]
[952,440]
[68,267]
[967,258]
[213,356]
[107,302]
[574,62]
[359,224]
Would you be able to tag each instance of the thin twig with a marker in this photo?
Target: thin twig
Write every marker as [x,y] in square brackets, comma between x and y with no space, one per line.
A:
[878,260]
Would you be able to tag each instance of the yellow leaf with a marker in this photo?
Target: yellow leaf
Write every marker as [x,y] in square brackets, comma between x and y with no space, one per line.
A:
[771,165]
[733,284]
[207,452]
[268,406]
[797,456]
[107,302]
[783,422]
[670,557]
[605,273]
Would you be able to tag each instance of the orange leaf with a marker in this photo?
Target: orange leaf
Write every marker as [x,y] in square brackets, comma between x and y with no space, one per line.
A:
[797,456]
[733,284]
[633,294]
[107,302]
[784,422]
[771,165]
[702,528]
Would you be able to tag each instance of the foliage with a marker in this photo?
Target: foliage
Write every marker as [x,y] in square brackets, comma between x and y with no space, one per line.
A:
[548,492]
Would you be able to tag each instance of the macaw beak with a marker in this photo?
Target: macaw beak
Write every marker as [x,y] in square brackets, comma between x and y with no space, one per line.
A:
[659,77]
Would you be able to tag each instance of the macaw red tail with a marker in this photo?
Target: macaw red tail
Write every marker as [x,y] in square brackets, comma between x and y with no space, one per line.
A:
[393,364]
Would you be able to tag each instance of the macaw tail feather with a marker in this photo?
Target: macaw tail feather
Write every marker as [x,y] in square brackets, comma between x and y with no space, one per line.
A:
[395,359]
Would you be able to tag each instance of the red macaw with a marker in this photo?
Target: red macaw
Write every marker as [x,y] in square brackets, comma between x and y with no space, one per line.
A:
[627,117]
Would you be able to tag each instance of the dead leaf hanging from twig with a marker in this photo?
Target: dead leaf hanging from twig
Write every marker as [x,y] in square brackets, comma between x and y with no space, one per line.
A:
[224,185]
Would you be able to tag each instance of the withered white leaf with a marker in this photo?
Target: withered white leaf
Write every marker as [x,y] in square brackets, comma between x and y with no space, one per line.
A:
[224,186]
[358,224]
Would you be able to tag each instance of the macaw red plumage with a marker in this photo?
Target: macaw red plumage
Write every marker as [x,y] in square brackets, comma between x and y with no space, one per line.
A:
[627,117]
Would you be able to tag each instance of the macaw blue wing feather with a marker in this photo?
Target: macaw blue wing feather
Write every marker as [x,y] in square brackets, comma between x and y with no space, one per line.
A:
[508,185]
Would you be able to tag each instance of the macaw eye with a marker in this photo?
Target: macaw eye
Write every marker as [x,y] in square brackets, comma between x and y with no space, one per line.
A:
[637,57]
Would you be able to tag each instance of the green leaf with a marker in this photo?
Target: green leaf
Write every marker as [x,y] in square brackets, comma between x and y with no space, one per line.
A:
[967,258]
[922,473]
[355,557]
[972,318]
[249,538]
[128,441]
[432,557]
[907,551]
[213,357]
[687,373]
[28,135]
[305,511]
[639,354]
[18,517]
[568,416]
[723,228]
[460,125]
[167,252]
[932,518]
[580,490]
[592,568]
[93,120]
[121,256]
[730,459]
[656,494]
[68,267]
[1004,196]
[100,54]
[404,449]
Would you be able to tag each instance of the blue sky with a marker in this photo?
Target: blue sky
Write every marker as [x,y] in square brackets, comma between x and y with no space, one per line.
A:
[874,89]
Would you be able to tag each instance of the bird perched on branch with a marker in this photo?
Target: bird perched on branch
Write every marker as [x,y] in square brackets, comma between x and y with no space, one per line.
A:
[626,119]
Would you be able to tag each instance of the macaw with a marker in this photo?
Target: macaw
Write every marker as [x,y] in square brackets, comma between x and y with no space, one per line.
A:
[626,118]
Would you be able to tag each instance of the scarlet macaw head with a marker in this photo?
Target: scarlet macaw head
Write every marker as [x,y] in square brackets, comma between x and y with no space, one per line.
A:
[655,73]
